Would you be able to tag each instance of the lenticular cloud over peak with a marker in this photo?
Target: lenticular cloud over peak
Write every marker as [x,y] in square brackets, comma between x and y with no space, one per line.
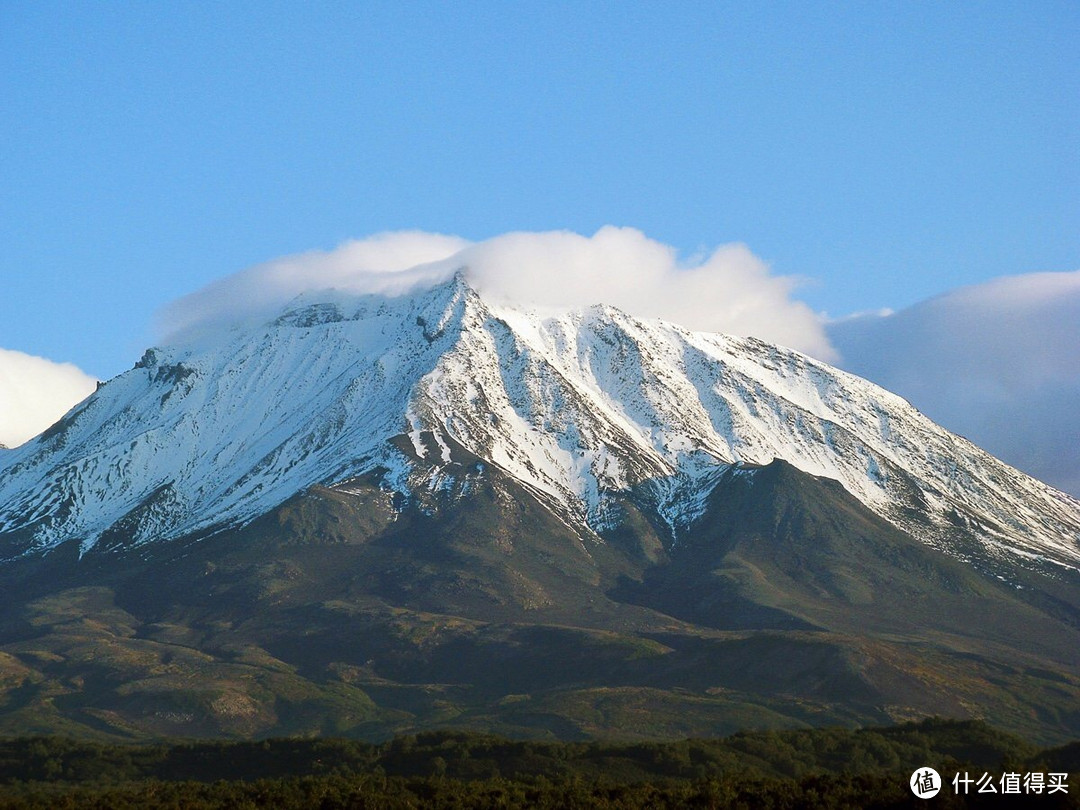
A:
[728,290]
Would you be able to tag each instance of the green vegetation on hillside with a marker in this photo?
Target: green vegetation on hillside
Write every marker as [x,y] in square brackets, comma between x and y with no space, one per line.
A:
[788,607]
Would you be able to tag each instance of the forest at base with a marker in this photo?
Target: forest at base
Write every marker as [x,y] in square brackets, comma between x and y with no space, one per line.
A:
[813,767]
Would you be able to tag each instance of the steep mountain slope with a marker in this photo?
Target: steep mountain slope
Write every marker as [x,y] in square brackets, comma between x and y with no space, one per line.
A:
[336,613]
[580,408]
[374,515]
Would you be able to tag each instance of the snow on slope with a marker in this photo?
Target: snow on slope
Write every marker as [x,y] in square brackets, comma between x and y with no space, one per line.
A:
[581,408]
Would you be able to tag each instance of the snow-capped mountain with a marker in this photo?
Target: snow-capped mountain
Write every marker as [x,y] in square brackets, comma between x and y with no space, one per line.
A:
[424,391]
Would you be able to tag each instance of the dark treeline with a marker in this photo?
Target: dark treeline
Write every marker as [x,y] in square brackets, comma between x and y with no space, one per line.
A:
[847,792]
[820,767]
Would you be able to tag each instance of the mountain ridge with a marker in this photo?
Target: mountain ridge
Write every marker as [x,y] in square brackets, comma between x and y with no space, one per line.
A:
[581,407]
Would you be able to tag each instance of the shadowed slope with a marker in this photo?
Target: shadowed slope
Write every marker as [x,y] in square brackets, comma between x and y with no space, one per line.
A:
[340,612]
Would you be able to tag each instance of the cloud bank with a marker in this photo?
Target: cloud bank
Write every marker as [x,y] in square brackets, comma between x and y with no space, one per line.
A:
[728,290]
[35,392]
[997,362]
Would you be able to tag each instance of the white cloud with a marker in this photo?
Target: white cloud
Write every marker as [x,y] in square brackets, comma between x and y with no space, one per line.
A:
[387,263]
[997,362]
[35,392]
[729,290]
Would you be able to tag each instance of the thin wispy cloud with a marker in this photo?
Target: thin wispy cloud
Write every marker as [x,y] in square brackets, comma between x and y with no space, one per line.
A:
[727,290]
[388,263]
[35,392]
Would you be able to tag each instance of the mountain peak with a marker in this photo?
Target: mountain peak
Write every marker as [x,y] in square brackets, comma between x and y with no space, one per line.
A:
[585,409]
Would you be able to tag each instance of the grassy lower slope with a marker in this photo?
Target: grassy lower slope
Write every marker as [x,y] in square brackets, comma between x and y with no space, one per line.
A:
[337,615]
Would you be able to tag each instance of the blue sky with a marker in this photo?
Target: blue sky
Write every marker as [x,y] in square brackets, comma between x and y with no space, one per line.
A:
[885,152]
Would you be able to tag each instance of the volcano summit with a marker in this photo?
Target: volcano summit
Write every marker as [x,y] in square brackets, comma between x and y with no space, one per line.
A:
[370,514]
